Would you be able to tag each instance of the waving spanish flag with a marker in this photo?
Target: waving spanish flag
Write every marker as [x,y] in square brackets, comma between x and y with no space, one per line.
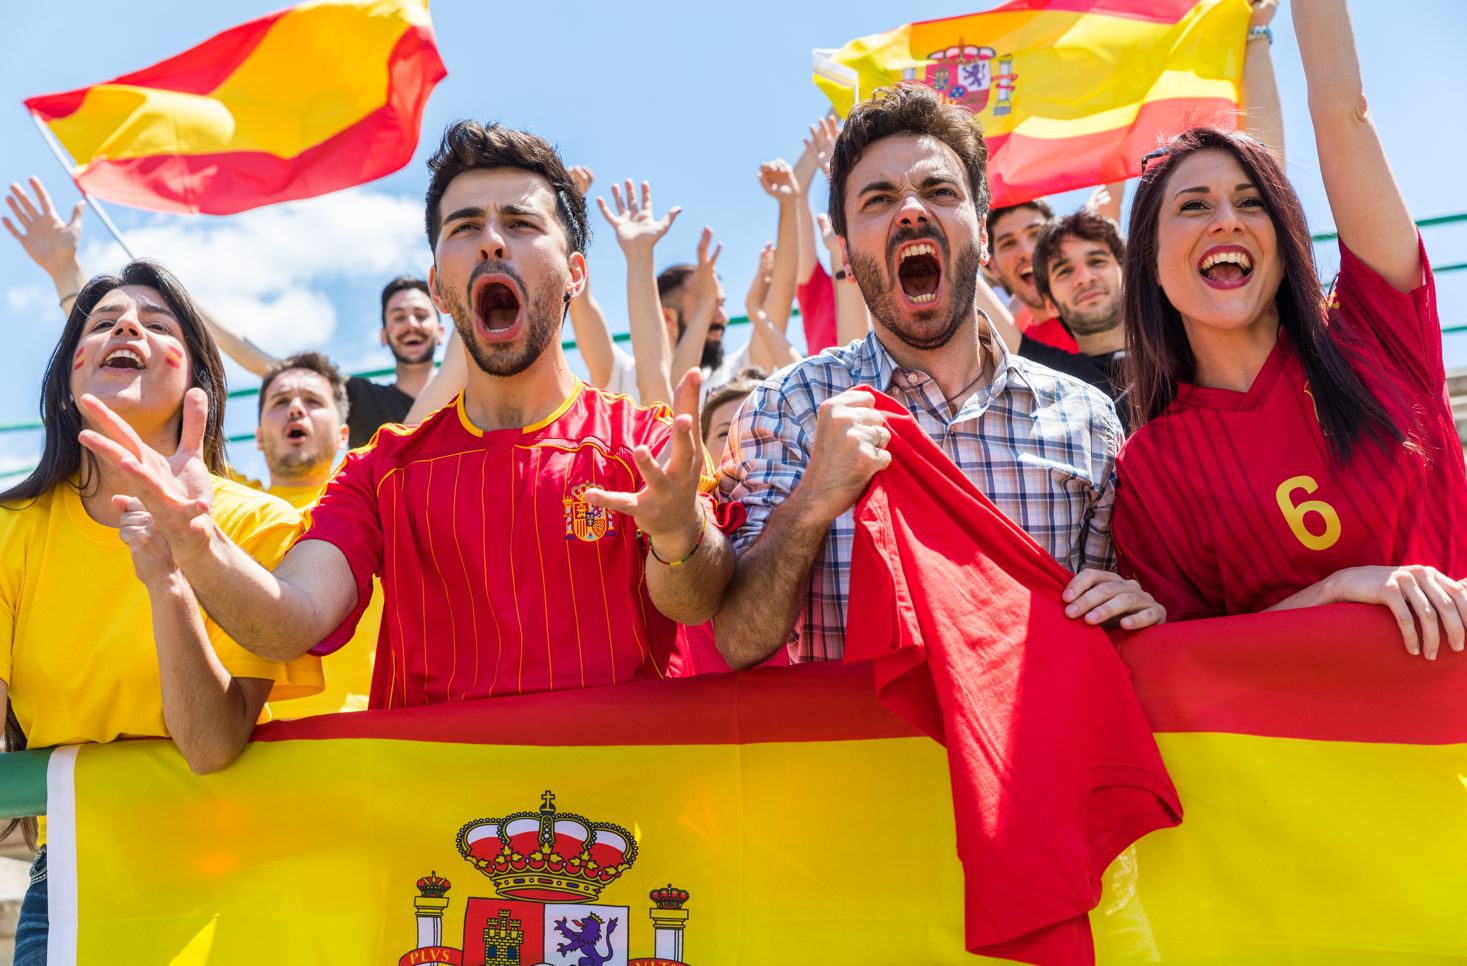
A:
[1070,93]
[312,99]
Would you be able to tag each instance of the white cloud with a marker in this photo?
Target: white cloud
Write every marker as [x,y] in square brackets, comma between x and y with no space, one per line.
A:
[29,298]
[261,272]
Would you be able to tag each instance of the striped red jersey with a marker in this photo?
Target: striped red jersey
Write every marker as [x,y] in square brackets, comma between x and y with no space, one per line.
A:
[498,578]
[1229,502]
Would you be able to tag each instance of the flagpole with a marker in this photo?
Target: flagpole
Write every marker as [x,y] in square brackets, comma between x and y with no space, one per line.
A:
[92,202]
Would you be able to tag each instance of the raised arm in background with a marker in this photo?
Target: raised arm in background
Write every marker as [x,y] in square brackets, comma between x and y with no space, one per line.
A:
[852,316]
[689,351]
[446,382]
[53,246]
[1258,95]
[782,351]
[778,180]
[815,158]
[1369,210]
[637,232]
[593,338]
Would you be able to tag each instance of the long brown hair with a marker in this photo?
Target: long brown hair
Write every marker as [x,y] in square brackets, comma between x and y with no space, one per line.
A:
[1158,354]
[63,457]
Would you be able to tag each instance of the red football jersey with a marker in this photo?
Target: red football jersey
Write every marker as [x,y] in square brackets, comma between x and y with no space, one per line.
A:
[1228,502]
[1054,768]
[498,577]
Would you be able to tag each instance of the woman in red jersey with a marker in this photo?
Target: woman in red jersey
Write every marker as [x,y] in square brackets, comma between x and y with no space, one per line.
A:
[1292,450]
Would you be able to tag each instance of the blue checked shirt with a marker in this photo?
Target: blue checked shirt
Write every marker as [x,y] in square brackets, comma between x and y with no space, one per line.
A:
[1039,444]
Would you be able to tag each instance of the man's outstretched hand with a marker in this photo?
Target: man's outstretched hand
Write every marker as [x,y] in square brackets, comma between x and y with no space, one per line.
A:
[177,490]
[666,508]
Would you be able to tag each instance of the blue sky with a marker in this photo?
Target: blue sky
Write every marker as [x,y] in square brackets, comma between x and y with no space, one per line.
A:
[689,96]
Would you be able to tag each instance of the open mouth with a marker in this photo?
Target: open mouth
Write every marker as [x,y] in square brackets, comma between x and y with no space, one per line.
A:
[295,432]
[124,359]
[919,272]
[1227,266]
[496,305]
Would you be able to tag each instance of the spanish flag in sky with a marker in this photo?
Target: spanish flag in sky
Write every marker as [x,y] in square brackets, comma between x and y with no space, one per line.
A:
[781,815]
[1070,93]
[312,99]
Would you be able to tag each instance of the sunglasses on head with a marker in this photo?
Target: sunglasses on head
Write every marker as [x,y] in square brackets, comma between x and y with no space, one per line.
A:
[1147,159]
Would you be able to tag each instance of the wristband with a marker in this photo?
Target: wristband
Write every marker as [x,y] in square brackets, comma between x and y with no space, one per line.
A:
[1262,30]
[63,300]
[702,531]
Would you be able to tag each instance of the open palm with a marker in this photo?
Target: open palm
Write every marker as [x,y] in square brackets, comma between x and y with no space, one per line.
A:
[633,221]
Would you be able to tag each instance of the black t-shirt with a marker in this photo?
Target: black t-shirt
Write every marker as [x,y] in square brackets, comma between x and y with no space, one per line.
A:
[373,404]
[1104,372]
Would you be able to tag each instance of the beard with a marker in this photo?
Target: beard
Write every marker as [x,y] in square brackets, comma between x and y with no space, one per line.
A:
[544,312]
[712,355]
[880,290]
[296,464]
[1093,321]
[416,357]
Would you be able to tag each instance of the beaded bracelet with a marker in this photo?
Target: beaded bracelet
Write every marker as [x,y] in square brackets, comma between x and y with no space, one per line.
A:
[702,531]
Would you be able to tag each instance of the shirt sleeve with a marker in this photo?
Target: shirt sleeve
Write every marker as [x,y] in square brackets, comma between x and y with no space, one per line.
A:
[1405,325]
[349,518]
[816,298]
[767,452]
[266,531]
[1096,547]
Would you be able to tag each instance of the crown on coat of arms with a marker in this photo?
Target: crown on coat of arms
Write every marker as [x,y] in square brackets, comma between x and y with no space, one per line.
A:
[433,885]
[668,898]
[547,856]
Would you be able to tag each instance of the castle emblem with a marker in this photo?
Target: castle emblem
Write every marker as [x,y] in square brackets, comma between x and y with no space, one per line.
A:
[584,521]
[966,74]
[548,870]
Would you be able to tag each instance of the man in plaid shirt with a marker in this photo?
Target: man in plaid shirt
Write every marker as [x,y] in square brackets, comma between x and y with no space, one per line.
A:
[908,199]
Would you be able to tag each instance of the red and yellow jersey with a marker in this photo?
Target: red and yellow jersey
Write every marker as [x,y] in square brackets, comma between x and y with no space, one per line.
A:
[1228,502]
[497,576]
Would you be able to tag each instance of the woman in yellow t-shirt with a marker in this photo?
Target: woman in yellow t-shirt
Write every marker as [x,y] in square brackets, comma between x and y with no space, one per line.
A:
[100,635]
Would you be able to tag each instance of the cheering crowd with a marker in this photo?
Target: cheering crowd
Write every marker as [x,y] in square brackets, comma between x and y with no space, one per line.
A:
[1174,413]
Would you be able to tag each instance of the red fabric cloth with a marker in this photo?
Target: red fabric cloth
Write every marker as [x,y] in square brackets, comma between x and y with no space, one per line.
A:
[1054,768]
[816,298]
[497,577]
[697,653]
[1051,332]
[1229,501]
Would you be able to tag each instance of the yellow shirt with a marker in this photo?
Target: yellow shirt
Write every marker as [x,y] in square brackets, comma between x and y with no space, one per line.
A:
[76,630]
[348,672]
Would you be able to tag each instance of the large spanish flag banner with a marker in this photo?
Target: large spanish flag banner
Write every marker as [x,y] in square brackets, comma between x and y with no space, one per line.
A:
[312,99]
[1070,93]
[777,816]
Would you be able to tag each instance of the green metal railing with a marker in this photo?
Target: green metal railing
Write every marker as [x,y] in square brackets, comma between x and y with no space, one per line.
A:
[623,337]
[23,783]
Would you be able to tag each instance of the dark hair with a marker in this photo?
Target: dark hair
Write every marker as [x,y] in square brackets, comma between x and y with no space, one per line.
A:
[1085,225]
[1038,204]
[401,284]
[671,279]
[312,362]
[736,388]
[469,146]
[1158,354]
[62,456]
[907,109]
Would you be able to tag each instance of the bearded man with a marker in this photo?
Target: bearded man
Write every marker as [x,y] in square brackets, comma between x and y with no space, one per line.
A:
[908,196]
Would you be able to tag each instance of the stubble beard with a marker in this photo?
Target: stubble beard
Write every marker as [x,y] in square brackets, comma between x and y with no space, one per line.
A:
[1102,318]
[298,464]
[543,315]
[872,277]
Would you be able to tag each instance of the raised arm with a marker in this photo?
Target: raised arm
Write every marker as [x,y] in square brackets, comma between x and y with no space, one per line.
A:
[1258,100]
[777,342]
[778,180]
[593,338]
[815,158]
[1370,213]
[279,615]
[445,383]
[852,315]
[637,232]
[210,713]
[704,301]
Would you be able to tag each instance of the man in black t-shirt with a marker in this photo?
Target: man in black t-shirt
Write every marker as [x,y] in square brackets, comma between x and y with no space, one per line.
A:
[411,330]
[1077,266]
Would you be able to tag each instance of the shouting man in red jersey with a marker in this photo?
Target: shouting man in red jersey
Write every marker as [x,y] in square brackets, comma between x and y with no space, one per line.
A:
[537,534]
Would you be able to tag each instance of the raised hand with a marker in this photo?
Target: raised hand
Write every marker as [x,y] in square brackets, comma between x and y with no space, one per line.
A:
[778,180]
[821,142]
[666,509]
[759,287]
[176,490]
[705,276]
[40,231]
[635,226]
[582,176]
